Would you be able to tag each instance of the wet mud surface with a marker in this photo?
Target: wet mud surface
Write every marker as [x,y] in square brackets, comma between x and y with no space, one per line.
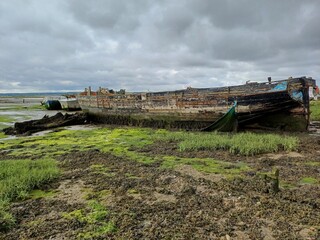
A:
[145,201]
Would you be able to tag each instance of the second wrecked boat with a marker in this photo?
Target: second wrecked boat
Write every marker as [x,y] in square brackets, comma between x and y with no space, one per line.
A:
[280,104]
[70,103]
[64,102]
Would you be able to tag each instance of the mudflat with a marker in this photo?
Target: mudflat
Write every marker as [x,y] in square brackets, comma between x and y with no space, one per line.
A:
[141,183]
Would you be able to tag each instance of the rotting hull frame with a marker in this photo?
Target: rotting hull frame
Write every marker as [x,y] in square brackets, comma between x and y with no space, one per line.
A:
[259,104]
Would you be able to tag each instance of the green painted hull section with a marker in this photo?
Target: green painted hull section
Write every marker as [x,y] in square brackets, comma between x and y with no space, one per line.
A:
[227,123]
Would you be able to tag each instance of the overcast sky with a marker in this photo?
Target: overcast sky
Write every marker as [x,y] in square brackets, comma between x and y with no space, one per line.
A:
[146,45]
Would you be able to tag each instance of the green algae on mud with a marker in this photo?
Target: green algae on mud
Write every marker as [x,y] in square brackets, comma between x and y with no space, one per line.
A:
[120,142]
[207,165]
[95,218]
[4,123]
[308,180]
[19,107]
[312,164]
[6,119]
[2,135]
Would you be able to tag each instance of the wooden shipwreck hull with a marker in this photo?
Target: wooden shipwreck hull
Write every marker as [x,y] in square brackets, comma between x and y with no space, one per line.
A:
[274,104]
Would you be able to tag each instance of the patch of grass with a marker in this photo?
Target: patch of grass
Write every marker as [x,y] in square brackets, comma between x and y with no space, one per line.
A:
[246,144]
[95,218]
[308,180]
[165,135]
[18,178]
[6,219]
[315,110]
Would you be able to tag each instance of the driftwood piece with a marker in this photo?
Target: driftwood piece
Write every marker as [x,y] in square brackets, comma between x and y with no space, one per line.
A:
[58,120]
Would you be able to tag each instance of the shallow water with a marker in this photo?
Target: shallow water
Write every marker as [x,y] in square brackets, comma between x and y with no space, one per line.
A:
[13,112]
[18,115]
[22,116]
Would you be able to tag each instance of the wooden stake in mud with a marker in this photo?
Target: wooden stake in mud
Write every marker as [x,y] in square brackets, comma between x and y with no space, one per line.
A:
[276,181]
[272,182]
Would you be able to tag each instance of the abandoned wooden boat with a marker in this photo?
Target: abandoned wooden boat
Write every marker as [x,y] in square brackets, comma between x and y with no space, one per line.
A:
[280,104]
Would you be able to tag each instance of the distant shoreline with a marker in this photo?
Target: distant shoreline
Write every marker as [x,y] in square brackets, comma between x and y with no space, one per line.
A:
[21,99]
[34,95]
[29,97]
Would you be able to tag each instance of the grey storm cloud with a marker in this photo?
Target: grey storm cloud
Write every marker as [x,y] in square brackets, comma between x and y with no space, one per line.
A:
[154,45]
